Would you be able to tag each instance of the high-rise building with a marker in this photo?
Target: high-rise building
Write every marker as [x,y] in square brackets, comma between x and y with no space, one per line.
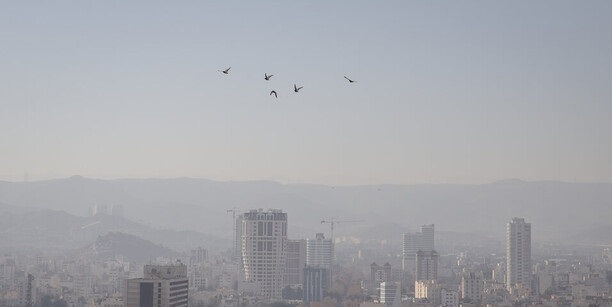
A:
[296,260]
[26,288]
[161,286]
[264,250]
[238,239]
[413,242]
[315,284]
[518,254]
[426,265]
[427,237]
[319,252]
[198,256]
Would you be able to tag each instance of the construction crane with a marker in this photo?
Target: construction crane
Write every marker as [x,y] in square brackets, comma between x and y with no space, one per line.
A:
[333,221]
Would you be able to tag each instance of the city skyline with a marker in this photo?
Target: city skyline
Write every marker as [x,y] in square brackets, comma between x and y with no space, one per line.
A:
[445,93]
[461,274]
[228,154]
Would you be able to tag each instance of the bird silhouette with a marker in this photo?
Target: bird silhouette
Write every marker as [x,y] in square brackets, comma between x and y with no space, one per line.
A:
[349,80]
[297,89]
[274,92]
[267,77]
[226,71]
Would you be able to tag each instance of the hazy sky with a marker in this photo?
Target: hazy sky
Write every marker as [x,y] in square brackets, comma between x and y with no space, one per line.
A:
[447,91]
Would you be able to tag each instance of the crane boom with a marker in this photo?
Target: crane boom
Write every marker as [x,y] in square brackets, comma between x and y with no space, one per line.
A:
[333,221]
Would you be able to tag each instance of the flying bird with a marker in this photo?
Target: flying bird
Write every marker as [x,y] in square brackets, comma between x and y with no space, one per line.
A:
[349,80]
[296,89]
[267,77]
[274,92]
[226,71]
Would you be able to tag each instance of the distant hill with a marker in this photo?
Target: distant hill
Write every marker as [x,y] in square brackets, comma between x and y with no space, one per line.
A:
[5,208]
[130,247]
[51,230]
[557,210]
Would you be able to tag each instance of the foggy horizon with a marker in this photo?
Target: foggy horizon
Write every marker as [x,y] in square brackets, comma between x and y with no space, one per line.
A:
[27,179]
[453,93]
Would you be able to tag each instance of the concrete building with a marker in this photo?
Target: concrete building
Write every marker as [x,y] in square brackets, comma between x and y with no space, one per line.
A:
[380,273]
[264,250]
[499,273]
[413,242]
[296,260]
[111,302]
[518,254]
[319,252]
[315,284]
[198,256]
[238,240]
[429,290]
[426,265]
[449,298]
[472,286]
[388,292]
[427,237]
[26,287]
[161,286]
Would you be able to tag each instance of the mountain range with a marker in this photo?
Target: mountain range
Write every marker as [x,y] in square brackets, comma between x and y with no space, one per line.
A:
[57,231]
[558,211]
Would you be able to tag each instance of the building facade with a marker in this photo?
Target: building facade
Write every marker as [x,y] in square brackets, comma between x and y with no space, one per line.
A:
[449,298]
[413,242]
[389,292]
[296,260]
[472,286]
[319,251]
[518,254]
[315,284]
[428,290]
[161,286]
[427,265]
[264,250]
[238,239]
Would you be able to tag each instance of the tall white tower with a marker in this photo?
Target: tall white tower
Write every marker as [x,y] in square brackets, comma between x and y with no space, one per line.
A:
[518,254]
[264,249]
